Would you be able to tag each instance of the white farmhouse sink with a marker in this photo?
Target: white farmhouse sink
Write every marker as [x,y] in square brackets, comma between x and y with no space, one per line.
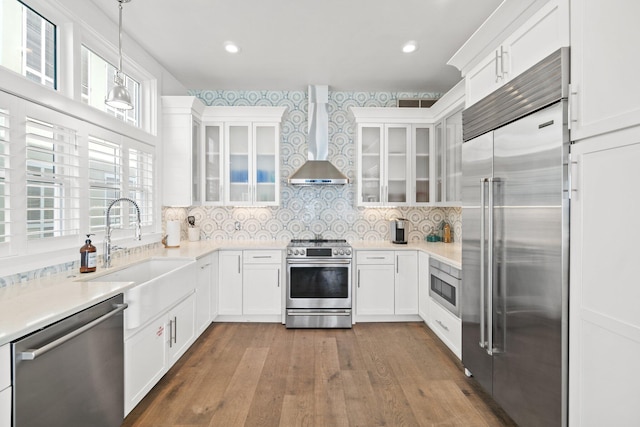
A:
[143,271]
[159,283]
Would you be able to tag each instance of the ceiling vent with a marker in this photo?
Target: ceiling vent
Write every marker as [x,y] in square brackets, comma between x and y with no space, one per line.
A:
[416,103]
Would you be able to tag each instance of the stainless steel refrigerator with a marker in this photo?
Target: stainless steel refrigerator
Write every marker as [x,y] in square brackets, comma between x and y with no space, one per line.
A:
[515,243]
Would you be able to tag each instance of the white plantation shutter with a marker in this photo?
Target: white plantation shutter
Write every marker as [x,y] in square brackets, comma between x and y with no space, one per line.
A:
[105,181]
[5,205]
[141,184]
[53,184]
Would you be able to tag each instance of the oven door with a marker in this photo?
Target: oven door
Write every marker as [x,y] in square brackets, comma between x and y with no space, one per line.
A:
[319,283]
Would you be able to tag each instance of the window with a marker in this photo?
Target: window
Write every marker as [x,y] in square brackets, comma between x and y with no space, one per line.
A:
[97,81]
[53,187]
[105,180]
[5,218]
[27,43]
[141,184]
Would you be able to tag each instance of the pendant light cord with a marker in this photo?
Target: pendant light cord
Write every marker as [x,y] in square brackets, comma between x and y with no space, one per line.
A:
[120,36]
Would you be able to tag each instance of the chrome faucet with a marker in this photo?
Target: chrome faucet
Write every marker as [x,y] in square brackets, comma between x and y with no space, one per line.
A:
[107,239]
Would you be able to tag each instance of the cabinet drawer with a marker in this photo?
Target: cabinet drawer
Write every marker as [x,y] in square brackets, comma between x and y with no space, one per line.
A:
[446,326]
[262,257]
[375,257]
[5,367]
[5,407]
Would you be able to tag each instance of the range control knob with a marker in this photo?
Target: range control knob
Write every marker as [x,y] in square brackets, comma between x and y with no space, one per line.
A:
[348,252]
[341,252]
[289,252]
[301,251]
[335,252]
[296,252]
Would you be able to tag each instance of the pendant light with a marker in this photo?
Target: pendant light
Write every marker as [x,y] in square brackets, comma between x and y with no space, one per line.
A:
[118,96]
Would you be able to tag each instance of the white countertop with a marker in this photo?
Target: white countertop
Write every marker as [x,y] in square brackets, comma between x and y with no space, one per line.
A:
[32,305]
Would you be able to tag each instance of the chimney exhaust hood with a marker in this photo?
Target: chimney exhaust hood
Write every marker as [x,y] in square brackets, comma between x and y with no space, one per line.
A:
[317,170]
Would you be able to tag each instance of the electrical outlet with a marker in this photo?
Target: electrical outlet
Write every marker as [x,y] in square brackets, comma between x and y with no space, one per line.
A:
[238,225]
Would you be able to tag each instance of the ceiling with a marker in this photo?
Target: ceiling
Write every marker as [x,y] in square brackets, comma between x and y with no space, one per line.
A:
[350,45]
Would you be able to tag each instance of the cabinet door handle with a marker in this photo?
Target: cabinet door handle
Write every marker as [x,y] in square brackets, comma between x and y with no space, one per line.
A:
[170,333]
[397,264]
[175,327]
[278,277]
[358,278]
[442,325]
[205,266]
[502,62]
[238,264]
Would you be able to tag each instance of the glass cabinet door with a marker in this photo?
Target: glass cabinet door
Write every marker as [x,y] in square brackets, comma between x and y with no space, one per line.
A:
[397,157]
[422,166]
[453,157]
[439,166]
[266,161]
[238,160]
[371,164]
[213,163]
[196,171]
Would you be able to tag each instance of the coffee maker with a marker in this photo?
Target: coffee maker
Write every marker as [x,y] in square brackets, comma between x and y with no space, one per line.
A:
[399,230]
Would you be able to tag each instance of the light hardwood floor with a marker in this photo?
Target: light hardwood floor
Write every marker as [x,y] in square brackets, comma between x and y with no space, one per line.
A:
[376,374]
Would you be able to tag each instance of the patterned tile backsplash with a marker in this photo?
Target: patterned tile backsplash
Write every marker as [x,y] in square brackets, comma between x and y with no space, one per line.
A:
[305,211]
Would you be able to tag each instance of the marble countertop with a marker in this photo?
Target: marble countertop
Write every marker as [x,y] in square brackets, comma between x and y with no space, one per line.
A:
[32,305]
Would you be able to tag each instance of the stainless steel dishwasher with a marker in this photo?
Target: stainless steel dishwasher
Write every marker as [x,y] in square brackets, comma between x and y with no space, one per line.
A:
[72,372]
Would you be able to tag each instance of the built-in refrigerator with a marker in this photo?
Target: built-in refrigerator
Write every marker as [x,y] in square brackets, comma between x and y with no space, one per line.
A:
[515,243]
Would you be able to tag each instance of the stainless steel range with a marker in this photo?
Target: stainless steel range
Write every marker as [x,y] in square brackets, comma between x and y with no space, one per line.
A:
[318,284]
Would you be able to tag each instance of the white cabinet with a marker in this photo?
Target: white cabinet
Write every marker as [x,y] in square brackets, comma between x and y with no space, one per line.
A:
[230,283]
[5,386]
[215,280]
[386,283]
[446,326]
[145,361]
[394,156]
[511,44]
[204,282]
[251,285]
[262,283]
[181,321]
[213,159]
[406,282]
[423,286]
[220,155]
[604,320]
[448,159]
[604,67]
[253,159]
[151,350]
[181,151]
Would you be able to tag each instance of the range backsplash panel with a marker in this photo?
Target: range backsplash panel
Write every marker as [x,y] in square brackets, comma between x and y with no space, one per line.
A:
[305,211]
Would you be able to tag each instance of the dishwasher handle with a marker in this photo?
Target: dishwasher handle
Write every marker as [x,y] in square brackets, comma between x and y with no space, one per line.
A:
[32,354]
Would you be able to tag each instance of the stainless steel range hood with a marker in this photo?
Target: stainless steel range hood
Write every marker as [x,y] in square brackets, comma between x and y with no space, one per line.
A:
[317,170]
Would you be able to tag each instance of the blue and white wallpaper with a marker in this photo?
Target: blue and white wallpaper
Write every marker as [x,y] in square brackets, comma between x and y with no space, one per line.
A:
[305,211]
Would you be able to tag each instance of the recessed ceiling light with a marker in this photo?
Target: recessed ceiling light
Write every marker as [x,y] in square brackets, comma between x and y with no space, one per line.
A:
[231,47]
[409,47]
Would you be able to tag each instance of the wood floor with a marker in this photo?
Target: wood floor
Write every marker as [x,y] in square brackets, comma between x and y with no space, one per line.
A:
[376,374]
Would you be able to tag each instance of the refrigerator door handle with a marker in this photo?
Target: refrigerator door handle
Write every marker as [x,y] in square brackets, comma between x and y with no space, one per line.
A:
[483,182]
[490,263]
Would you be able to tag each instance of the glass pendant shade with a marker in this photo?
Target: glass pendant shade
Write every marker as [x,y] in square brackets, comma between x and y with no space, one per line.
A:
[118,97]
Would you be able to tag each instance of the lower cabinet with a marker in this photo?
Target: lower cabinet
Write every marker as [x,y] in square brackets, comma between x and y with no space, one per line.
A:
[230,283]
[423,286]
[446,326]
[5,386]
[151,351]
[251,285]
[386,283]
[204,283]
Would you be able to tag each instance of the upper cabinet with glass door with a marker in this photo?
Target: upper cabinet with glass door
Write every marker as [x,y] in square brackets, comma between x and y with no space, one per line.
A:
[387,147]
[448,156]
[242,160]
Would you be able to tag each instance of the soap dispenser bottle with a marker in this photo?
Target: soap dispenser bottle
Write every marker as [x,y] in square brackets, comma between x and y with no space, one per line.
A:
[88,256]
